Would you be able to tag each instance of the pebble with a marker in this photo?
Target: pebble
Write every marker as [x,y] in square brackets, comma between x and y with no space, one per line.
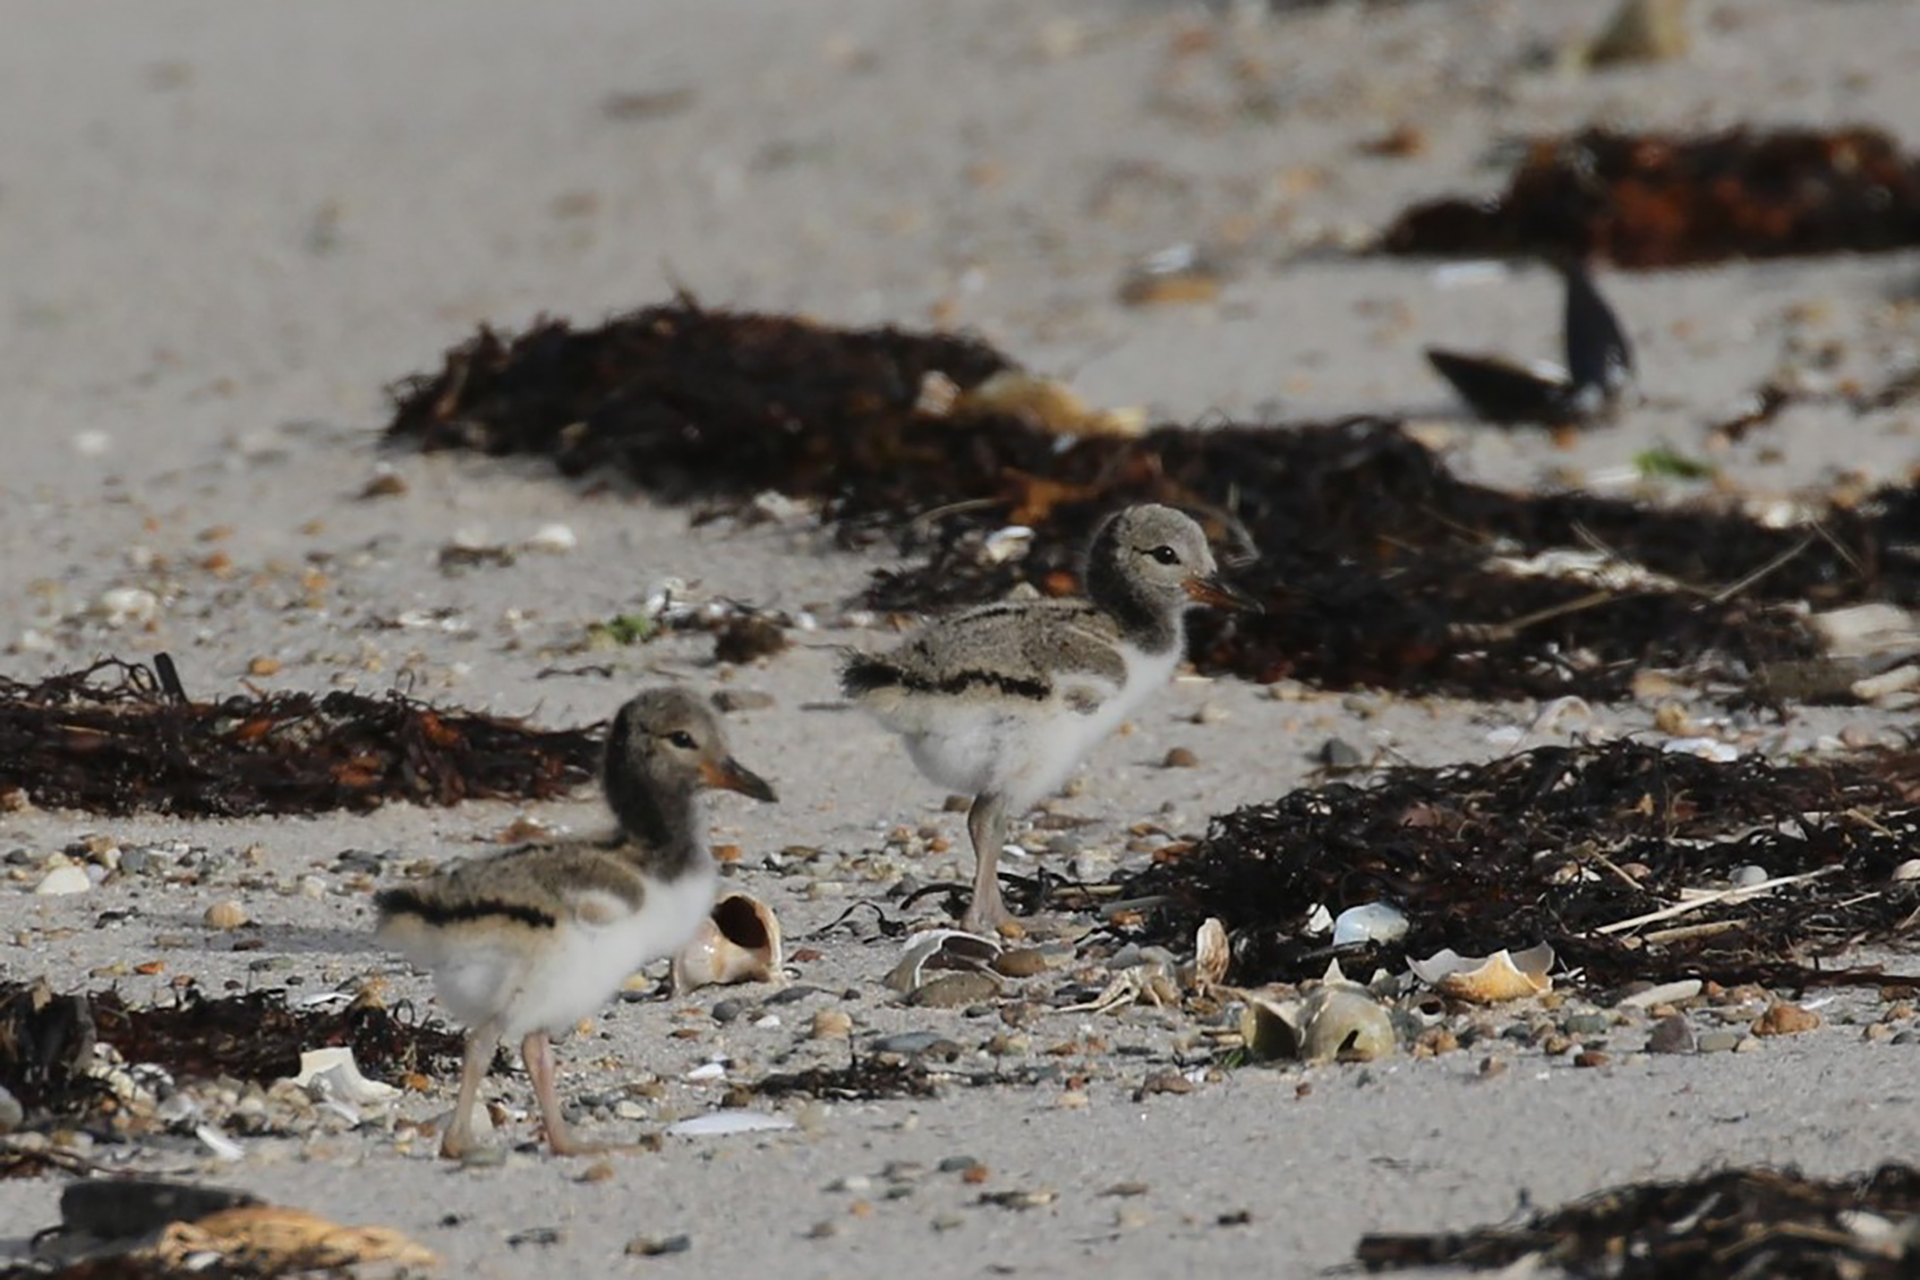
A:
[1591,1058]
[1180,758]
[63,880]
[1338,753]
[12,1114]
[652,1247]
[831,1024]
[742,700]
[1672,1035]
[228,914]
[909,1043]
[1785,1020]
[957,1164]
[1589,1024]
[955,990]
[730,1009]
[1719,1040]
[1023,963]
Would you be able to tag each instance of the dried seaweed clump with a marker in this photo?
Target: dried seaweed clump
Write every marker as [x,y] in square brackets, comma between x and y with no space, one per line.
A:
[104,739]
[47,1040]
[1660,200]
[1377,564]
[1571,846]
[1735,1222]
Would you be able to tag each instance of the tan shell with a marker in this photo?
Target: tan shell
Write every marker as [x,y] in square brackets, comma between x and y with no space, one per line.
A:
[738,942]
[270,1238]
[1335,1021]
[1047,405]
[1501,976]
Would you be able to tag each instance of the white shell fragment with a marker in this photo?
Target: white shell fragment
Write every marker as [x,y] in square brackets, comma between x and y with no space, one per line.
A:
[1211,954]
[128,606]
[1665,993]
[1706,748]
[70,878]
[940,949]
[1368,922]
[1010,543]
[1335,1021]
[331,1075]
[730,1120]
[1491,979]
[554,539]
[739,941]
[218,1144]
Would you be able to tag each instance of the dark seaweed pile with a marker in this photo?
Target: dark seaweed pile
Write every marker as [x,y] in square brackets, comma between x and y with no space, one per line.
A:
[107,739]
[1663,200]
[1726,1223]
[1372,556]
[47,1040]
[1554,845]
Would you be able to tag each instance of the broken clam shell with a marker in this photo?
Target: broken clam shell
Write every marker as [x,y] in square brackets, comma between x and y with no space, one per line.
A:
[1491,979]
[1368,922]
[940,949]
[331,1075]
[739,941]
[1335,1021]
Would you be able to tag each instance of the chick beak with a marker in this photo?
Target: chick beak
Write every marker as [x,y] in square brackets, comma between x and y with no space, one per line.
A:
[731,775]
[1213,591]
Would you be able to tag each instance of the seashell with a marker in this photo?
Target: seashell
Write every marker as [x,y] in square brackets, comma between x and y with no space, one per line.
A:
[1908,870]
[1046,405]
[739,941]
[1335,1021]
[1642,31]
[218,1144]
[331,1075]
[1009,543]
[272,1239]
[1211,954]
[1501,976]
[728,1120]
[940,949]
[1368,922]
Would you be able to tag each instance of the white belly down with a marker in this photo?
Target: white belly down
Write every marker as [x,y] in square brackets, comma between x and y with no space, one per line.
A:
[550,979]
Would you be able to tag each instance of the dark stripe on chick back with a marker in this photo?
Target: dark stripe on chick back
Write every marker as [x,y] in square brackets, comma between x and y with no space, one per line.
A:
[409,902]
[866,675]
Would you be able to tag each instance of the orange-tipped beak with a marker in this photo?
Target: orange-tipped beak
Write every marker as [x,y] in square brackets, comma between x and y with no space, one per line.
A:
[1215,592]
[731,775]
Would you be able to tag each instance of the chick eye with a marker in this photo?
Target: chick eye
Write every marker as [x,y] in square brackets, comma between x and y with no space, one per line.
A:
[682,739]
[1165,555]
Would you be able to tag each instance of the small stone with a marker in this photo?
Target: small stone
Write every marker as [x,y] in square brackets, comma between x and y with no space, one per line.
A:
[1672,1035]
[228,914]
[1590,1058]
[909,1044]
[831,1024]
[825,1229]
[12,1114]
[854,1182]
[385,484]
[1719,1040]
[554,539]
[1180,758]
[1785,1019]
[957,1164]
[742,700]
[652,1247]
[955,991]
[264,667]
[1337,753]
[1589,1024]
[1022,963]
[70,878]
[729,1010]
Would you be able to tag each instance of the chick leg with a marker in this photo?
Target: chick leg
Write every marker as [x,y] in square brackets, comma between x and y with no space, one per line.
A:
[458,1139]
[537,1050]
[987,824]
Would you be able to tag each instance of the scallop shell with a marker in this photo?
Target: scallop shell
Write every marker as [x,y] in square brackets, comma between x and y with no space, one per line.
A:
[739,941]
[1501,976]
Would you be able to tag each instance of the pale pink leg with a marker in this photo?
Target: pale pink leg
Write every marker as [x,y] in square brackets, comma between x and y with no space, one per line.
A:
[458,1139]
[987,824]
[538,1052]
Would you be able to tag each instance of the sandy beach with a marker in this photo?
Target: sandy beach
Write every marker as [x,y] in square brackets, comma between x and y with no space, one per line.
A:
[226,230]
